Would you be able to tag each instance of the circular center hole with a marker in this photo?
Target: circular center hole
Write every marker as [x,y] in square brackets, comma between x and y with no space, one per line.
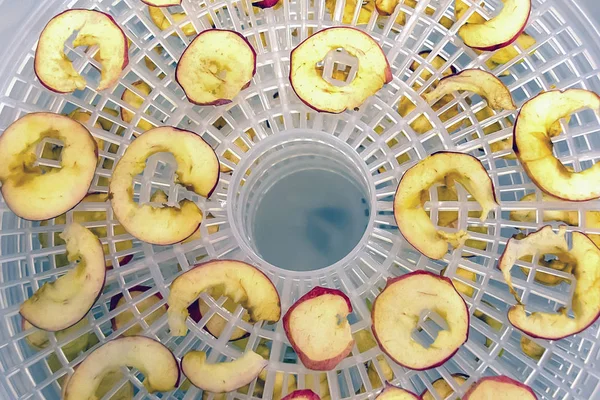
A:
[301,201]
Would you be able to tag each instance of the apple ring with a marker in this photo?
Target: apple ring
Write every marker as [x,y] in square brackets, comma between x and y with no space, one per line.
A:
[533,146]
[585,258]
[412,219]
[314,91]
[53,67]
[32,194]
[197,169]
[397,310]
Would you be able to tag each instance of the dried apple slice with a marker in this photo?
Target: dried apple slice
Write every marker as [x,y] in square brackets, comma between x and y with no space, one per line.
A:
[243,283]
[533,146]
[303,394]
[585,258]
[124,317]
[64,302]
[317,328]
[197,169]
[477,81]
[224,376]
[100,231]
[500,31]
[135,101]
[499,388]
[442,388]
[216,324]
[215,67]
[162,3]
[531,348]
[39,339]
[413,294]
[395,393]
[54,69]
[36,196]
[314,91]
[411,217]
[147,355]
[265,3]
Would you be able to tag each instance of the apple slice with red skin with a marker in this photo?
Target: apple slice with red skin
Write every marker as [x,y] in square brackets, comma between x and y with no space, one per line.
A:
[147,355]
[303,394]
[318,330]
[395,393]
[55,71]
[308,83]
[499,388]
[224,376]
[584,255]
[62,303]
[215,67]
[125,316]
[412,219]
[242,282]
[32,194]
[265,3]
[533,145]
[500,31]
[477,81]
[162,3]
[197,169]
[397,310]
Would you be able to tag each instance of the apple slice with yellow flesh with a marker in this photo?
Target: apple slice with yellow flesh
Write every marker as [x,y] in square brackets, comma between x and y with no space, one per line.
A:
[499,388]
[533,145]
[135,101]
[317,328]
[442,388]
[99,231]
[531,348]
[224,376]
[124,317]
[215,67]
[64,302]
[243,283]
[216,324]
[162,3]
[395,393]
[32,194]
[314,91]
[397,311]
[147,355]
[412,219]
[500,31]
[477,81]
[197,169]
[54,69]
[302,394]
[40,339]
[585,258]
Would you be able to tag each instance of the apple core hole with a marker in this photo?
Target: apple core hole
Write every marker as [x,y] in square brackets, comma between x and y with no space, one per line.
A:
[305,203]
[429,326]
[49,153]
[339,68]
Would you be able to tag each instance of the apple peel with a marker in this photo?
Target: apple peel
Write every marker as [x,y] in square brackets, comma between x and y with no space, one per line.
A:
[224,376]
[303,394]
[412,219]
[243,283]
[197,169]
[149,356]
[533,145]
[317,328]
[64,302]
[477,81]
[32,194]
[313,90]
[585,258]
[500,31]
[499,388]
[54,69]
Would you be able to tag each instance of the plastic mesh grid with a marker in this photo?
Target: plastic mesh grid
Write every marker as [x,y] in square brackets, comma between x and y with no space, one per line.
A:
[386,142]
